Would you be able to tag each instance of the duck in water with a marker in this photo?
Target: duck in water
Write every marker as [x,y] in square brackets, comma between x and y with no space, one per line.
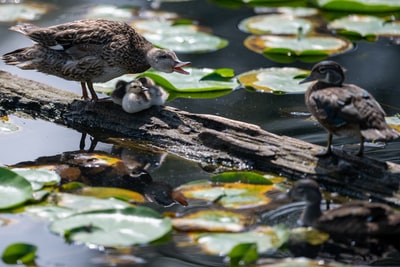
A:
[344,109]
[91,50]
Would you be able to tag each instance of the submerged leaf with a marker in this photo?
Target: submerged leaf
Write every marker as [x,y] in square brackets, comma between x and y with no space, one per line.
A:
[14,189]
[19,253]
[114,227]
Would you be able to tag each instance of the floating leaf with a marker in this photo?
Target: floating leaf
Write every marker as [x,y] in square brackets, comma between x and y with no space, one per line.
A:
[8,127]
[108,192]
[114,227]
[243,254]
[229,195]
[19,253]
[201,83]
[275,24]
[366,26]
[49,212]
[110,12]
[289,48]
[180,38]
[309,235]
[360,5]
[38,177]
[265,237]
[14,189]
[22,11]
[394,122]
[212,221]
[275,80]
[240,176]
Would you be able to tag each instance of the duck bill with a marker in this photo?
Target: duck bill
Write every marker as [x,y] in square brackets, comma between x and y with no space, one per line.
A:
[307,79]
[178,67]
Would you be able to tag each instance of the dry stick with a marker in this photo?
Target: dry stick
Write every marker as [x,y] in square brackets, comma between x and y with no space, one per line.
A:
[215,142]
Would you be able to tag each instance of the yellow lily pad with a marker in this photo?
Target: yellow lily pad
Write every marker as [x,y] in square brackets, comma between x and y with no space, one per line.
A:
[212,221]
[275,80]
[108,192]
[394,122]
[275,24]
[229,195]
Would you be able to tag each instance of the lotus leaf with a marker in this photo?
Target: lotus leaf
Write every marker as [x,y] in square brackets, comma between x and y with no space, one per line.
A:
[275,24]
[114,227]
[275,80]
[366,26]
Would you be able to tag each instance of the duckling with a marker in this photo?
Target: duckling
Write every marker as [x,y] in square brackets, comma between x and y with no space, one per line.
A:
[353,219]
[132,96]
[158,95]
[344,109]
[91,50]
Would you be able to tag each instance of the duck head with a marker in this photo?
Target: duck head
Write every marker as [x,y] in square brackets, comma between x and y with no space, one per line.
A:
[306,190]
[328,72]
[135,86]
[166,61]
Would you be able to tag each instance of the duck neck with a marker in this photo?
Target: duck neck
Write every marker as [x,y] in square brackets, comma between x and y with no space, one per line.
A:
[311,214]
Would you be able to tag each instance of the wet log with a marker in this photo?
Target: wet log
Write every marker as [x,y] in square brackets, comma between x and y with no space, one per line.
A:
[215,142]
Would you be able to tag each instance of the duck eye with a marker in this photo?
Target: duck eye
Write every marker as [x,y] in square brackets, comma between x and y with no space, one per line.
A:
[322,70]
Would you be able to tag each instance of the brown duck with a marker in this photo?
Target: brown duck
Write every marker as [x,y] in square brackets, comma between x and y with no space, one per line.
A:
[344,109]
[90,51]
[353,219]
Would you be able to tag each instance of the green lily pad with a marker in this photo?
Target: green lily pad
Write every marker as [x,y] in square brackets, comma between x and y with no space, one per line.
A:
[242,254]
[275,80]
[23,11]
[265,237]
[229,195]
[298,11]
[48,212]
[212,221]
[8,127]
[14,189]
[241,176]
[201,83]
[306,48]
[108,192]
[365,26]
[86,203]
[38,177]
[179,38]
[360,5]
[114,227]
[275,24]
[19,253]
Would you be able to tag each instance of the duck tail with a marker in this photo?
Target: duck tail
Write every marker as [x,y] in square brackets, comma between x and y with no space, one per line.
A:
[23,58]
[387,133]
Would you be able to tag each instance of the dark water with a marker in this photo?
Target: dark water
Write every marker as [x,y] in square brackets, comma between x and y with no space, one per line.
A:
[374,66]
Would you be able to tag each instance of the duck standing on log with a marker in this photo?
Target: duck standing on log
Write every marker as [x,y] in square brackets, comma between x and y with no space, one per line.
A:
[90,51]
[344,109]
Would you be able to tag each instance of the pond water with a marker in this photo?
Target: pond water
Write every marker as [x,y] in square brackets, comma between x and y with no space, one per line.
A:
[373,66]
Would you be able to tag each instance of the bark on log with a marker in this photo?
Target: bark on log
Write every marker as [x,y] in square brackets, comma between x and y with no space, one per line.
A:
[213,141]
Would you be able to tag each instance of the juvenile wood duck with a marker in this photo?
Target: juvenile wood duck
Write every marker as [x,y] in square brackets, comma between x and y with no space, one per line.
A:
[90,51]
[132,96]
[352,219]
[344,109]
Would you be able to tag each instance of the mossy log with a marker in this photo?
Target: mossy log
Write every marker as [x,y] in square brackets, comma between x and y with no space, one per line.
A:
[215,142]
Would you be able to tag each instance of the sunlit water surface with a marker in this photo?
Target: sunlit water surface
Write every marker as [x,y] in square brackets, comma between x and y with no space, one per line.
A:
[374,66]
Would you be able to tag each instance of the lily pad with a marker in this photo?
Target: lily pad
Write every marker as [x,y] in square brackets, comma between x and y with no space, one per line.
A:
[265,237]
[360,5]
[114,227]
[394,122]
[19,253]
[308,48]
[14,189]
[108,192]
[212,221]
[309,235]
[38,177]
[229,195]
[275,24]
[241,176]
[48,212]
[23,11]
[275,80]
[201,83]
[366,26]
[8,127]
[179,38]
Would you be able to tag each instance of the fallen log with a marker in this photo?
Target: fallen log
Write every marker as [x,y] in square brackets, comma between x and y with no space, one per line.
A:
[215,142]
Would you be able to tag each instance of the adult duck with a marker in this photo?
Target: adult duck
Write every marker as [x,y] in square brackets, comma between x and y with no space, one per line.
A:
[344,109]
[90,51]
[355,219]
